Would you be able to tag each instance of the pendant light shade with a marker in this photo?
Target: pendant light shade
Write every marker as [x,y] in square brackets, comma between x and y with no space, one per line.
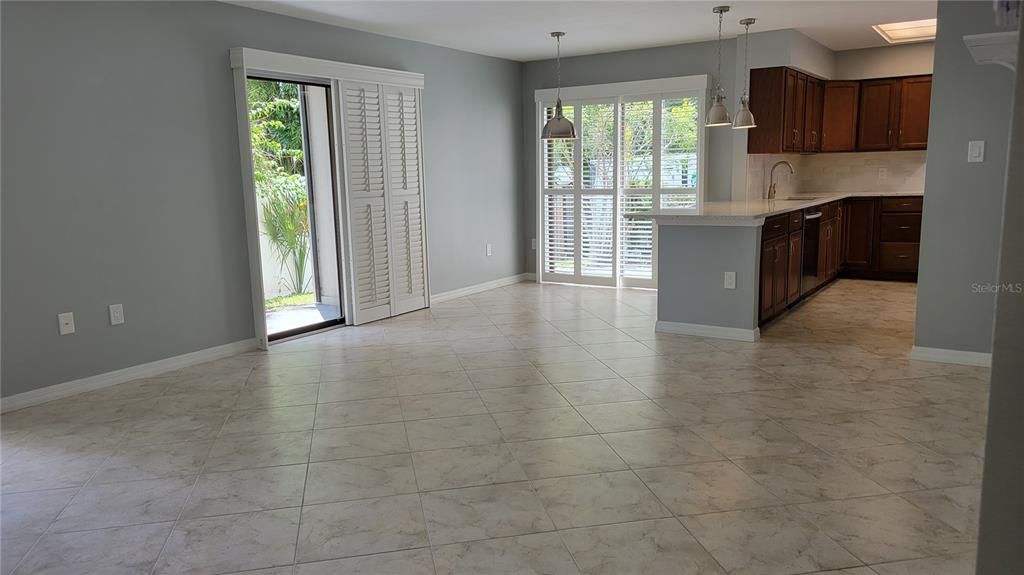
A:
[718,114]
[744,118]
[558,127]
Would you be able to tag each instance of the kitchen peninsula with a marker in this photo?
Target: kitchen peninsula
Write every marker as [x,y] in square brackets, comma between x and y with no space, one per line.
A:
[726,268]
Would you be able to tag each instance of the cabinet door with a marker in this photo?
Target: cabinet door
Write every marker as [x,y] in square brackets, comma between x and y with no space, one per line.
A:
[767,279]
[879,106]
[860,232]
[793,121]
[824,250]
[839,116]
[915,100]
[779,274]
[813,114]
[793,261]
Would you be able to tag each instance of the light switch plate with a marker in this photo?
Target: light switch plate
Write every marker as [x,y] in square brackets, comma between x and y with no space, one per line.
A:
[66,323]
[730,280]
[490,250]
[116,314]
[976,151]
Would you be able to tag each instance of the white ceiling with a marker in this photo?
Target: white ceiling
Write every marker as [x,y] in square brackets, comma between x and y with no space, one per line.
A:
[519,30]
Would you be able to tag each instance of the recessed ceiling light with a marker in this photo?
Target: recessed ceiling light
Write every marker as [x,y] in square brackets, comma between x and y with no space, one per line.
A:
[903,32]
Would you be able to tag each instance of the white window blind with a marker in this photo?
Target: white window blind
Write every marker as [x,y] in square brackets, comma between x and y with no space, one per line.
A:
[634,153]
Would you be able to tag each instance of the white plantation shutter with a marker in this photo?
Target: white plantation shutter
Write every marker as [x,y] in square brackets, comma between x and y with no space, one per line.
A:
[405,198]
[559,235]
[367,201]
[637,150]
[680,121]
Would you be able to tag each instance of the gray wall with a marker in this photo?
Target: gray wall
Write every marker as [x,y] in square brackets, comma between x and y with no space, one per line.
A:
[1002,499]
[627,66]
[122,181]
[963,202]
[699,298]
[886,61]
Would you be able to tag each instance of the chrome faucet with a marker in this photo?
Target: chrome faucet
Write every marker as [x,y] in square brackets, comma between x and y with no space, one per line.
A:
[771,177]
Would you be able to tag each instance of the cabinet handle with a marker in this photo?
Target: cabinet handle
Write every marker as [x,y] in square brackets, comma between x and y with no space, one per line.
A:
[796,134]
[903,257]
[907,204]
[904,227]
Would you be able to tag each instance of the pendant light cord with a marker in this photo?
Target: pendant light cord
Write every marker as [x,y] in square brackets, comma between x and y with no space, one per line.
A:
[718,80]
[558,66]
[746,59]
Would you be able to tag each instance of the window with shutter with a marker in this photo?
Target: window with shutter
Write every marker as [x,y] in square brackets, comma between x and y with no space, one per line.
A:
[635,153]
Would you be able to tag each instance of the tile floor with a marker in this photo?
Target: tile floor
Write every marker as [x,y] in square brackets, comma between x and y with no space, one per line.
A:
[526,429]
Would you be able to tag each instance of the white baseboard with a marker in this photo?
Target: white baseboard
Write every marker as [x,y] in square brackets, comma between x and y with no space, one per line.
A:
[99,381]
[956,356]
[713,331]
[470,290]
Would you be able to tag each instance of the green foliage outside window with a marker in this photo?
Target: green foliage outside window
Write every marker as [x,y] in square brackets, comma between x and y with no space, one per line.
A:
[275,130]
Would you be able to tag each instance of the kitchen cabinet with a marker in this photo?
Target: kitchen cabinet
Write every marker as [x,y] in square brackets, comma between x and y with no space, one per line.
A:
[859,233]
[798,113]
[915,101]
[794,116]
[802,250]
[787,106]
[839,116]
[794,258]
[813,105]
[879,114]
[773,276]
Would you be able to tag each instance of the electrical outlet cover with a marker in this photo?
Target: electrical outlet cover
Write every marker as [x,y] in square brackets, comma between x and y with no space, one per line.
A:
[66,323]
[116,314]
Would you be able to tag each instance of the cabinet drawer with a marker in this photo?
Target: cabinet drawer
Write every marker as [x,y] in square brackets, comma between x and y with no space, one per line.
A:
[775,226]
[911,204]
[901,228]
[898,257]
[796,221]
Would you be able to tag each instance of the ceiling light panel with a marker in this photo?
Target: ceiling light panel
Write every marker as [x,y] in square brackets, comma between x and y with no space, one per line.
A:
[904,32]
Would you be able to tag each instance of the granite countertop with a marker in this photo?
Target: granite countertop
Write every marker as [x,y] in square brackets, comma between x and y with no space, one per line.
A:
[751,213]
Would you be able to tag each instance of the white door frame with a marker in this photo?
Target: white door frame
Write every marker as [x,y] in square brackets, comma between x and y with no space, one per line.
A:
[247,62]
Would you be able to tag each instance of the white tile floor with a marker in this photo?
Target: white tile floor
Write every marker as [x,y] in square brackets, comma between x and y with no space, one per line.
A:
[522,430]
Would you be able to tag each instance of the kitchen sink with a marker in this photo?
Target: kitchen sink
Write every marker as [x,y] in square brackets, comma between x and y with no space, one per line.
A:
[800,199]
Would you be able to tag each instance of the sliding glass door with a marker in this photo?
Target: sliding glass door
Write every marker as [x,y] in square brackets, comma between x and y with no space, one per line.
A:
[296,210]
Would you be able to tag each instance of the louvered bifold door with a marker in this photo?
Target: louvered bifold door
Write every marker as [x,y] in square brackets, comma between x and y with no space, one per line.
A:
[408,252]
[366,200]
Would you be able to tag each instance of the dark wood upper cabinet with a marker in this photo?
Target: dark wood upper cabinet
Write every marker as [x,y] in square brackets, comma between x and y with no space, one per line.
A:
[793,123]
[813,114]
[839,116]
[879,114]
[915,101]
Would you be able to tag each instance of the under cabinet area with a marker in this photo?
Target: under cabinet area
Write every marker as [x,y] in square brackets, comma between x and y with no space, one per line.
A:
[862,237]
[798,113]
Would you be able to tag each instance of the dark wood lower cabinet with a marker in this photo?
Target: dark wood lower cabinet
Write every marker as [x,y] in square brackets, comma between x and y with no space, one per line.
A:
[874,238]
[795,259]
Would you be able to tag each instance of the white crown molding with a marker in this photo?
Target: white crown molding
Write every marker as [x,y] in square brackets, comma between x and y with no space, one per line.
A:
[99,381]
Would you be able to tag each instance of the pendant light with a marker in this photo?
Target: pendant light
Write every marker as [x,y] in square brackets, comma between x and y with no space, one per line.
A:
[558,127]
[744,118]
[718,114]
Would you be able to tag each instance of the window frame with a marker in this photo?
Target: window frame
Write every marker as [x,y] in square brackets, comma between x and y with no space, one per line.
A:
[657,90]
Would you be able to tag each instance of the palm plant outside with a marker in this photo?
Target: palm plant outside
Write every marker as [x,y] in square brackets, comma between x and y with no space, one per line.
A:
[275,126]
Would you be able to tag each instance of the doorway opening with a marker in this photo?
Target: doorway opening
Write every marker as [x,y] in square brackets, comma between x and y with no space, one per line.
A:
[296,207]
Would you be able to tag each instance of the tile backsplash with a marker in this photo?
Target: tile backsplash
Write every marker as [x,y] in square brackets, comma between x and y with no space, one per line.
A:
[838,173]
